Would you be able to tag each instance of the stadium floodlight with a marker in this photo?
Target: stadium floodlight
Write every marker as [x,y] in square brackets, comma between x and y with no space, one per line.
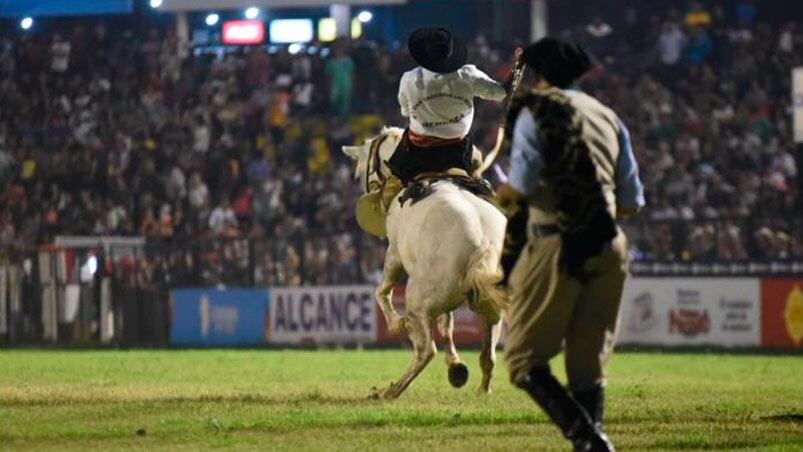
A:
[252,12]
[294,48]
[365,16]
[26,23]
[155,3]
[212,19]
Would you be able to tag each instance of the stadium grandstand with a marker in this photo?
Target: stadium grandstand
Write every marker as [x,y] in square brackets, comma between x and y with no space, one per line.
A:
[259,225]
[225,159]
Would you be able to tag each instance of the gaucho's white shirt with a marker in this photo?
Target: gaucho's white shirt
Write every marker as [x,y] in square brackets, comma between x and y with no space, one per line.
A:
[442,105]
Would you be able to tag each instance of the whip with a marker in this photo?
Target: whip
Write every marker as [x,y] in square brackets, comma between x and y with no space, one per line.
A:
[518,75]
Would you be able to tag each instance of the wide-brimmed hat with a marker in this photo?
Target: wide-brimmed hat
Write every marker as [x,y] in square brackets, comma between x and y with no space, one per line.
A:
[437,49]
[559,62]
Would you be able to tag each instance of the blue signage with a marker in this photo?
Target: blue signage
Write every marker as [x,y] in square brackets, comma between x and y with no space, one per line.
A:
[211,317]
[39,8]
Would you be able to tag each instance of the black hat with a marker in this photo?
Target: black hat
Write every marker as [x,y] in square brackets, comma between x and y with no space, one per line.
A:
[437,49]
[559,62]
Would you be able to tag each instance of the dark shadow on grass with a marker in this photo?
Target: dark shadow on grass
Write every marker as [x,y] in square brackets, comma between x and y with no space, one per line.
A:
[789,417]
[296,399]
[700,445]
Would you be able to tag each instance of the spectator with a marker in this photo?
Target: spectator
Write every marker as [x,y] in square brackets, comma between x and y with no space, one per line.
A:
[671,43]
[699,46]
[340,73]
[222,221]
[100,130]
[59,54]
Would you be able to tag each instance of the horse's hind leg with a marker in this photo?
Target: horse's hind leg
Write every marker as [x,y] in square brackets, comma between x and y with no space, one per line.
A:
[458,372]
[391,273]
[490,337]
[419,328]
[491,328]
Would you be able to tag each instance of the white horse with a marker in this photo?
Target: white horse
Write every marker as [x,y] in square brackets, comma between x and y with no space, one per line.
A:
[449,243]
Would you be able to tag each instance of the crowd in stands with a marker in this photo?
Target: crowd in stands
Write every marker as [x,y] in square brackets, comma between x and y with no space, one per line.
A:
[236,156]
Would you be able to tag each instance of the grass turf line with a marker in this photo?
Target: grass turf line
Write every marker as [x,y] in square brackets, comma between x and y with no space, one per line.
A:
[317,400]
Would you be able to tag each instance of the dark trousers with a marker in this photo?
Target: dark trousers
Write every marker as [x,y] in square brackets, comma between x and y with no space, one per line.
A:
[410,161]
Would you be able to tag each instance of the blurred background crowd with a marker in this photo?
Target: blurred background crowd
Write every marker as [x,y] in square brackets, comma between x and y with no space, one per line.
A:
[230,164]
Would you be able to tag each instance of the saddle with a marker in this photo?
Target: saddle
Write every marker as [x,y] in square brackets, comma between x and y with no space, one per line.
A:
[423,186]
[371,213]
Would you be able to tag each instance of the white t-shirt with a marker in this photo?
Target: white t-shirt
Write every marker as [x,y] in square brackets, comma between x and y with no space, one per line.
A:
[220,217]
[60,53]
[442,105]
[670,46]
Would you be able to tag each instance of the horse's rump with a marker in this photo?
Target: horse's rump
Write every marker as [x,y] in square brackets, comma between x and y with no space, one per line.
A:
[451,236]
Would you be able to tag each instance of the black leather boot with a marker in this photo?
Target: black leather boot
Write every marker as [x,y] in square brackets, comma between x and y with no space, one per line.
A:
[593,401]
[564,411]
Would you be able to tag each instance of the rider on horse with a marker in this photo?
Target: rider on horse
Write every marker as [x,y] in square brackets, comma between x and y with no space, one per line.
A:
[438,98]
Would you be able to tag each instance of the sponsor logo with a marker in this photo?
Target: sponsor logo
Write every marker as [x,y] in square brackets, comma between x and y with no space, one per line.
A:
[642,316]
[334,314]
[219,319]
[689,322]
[324,312]
[793,314]
[689,319]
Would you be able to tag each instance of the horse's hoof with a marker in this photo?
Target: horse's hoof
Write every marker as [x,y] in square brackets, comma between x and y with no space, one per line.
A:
[376,393]
[458,375]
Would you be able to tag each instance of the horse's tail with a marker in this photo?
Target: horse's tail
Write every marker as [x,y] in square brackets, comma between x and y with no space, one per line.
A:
[483,276]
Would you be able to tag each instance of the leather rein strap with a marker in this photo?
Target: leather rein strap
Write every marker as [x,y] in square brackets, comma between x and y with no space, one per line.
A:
[376,168]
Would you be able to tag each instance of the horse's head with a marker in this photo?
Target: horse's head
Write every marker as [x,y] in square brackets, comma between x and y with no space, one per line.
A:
[371,158]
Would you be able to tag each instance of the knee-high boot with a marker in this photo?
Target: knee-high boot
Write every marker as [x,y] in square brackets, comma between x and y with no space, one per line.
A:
[564,411]
[593,401]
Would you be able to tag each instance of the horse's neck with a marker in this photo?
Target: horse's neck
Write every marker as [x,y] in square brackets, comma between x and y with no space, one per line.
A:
[386,152]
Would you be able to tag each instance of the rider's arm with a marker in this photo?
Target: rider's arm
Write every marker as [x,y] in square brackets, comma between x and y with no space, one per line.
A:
[629,189]
[403,102]
[484,86]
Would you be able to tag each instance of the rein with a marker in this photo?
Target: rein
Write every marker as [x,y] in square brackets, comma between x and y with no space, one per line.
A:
[373,157]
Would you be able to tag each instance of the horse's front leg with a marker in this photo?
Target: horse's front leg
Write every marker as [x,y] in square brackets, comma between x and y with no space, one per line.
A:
[391,273]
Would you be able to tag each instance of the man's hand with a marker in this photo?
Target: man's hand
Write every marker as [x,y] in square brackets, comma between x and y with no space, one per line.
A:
[623,213]
[517,62]
[506,195]
[517,65]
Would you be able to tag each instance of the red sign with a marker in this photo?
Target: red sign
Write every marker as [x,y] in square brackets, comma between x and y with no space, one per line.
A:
[689,322]
[239,32]
[782,312]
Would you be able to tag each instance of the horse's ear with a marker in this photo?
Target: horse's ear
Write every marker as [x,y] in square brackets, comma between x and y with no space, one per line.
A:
[353,152]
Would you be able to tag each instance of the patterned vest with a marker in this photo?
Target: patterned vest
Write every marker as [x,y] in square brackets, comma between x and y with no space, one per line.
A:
[578,140]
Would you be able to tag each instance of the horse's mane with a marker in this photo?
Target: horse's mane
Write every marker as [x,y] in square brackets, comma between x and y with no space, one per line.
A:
[395,132]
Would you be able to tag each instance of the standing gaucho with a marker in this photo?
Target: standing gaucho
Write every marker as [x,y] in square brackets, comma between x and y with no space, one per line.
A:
[572,173]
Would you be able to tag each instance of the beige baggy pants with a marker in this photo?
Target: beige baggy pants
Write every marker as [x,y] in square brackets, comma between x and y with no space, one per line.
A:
[549,309]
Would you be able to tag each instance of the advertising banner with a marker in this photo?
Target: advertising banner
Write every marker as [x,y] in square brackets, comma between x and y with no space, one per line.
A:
[239,32]
[782,312]
[210,317]
[322,315]
[691,311]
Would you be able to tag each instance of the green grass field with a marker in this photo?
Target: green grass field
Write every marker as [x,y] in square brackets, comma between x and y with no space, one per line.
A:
[317,400]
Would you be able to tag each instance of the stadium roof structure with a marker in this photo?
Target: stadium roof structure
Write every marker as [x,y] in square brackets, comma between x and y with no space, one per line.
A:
[203,5]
